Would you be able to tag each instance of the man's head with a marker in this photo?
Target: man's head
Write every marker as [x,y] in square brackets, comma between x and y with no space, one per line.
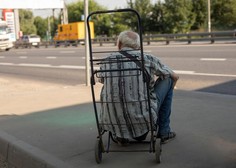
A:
[128,39]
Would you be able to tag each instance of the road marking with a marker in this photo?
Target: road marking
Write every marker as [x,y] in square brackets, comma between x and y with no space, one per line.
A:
[21,52]
[66,52]
[71,67]
[213,59]
[6,63]
[75,67]
[47,66]
[34,65]
[184,72]
[51,57]
[202,74]
[218,75]
[2,56]
[89,57]
[96,68]
[23,57]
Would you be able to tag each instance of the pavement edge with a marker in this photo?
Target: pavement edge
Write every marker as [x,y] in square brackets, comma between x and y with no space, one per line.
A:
[22,155]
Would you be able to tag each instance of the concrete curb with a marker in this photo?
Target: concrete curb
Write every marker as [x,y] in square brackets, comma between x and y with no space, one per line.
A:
[22,155]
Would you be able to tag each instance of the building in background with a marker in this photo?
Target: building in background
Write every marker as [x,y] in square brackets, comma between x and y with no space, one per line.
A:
[12,19]
[10,12]
[9,16]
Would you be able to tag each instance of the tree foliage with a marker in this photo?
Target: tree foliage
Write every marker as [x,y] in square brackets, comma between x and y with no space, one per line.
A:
[178,16]
[200,10]
[169,16]
[144,8]
[156,21]
[76,9]
[223,14]
[76,13]
[27,22]
[119,23]
[41,25]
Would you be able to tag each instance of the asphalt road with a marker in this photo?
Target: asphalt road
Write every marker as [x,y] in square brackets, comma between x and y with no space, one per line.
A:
[207,67]
[204,122]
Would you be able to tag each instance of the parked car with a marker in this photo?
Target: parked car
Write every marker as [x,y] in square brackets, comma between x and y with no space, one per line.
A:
[32,40]
[27,41]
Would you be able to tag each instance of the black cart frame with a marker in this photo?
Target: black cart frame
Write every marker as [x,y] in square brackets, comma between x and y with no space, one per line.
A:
[154,143]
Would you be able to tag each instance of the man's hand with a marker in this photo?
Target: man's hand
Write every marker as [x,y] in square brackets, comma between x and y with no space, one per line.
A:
[175,78]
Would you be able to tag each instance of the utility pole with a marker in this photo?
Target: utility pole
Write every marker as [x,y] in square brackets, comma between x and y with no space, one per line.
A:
[86,44]
[209,15]
[49,30]
[17,23]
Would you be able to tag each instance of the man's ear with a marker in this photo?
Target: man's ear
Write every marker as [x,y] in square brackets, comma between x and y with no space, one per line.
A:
[119,45]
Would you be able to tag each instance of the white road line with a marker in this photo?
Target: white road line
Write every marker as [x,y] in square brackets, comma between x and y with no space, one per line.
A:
[93,57]
[21,52]
[202,74]
[66,52]
[147,51]
[83,67]
[2,56]
[23,57]
[184,72]
[218,75]
[75,67]
[34,65]
[51,57]
[6,63]
[71,67]
[213,59]
[46,66]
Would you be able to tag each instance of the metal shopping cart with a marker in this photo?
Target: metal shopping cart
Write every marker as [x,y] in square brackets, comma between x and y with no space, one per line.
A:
[120,70]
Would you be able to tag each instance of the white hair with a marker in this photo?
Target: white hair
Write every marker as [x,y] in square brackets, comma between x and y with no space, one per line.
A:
[129,39]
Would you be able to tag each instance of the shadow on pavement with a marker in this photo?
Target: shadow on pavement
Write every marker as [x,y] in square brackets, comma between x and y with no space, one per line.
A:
[223,88]
[205,126]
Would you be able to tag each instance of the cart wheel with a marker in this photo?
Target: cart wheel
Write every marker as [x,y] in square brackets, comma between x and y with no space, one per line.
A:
[158,150]
[98,151]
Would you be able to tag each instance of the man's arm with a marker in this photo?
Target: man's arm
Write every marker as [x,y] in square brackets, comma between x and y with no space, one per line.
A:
[175,78]
[160,69]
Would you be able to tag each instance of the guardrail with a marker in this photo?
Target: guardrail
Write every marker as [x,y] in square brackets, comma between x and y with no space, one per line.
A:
[211,37]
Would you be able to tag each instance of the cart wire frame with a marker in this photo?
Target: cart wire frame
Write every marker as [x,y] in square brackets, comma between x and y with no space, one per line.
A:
[153,137]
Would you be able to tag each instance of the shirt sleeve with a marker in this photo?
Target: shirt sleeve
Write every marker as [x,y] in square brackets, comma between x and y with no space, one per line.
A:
[156,67]
[100,75]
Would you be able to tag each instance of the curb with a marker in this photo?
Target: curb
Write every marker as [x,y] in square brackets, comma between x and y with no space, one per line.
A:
[22,155]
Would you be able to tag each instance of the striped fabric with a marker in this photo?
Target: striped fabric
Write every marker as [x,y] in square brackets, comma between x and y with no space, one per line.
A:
[124,105]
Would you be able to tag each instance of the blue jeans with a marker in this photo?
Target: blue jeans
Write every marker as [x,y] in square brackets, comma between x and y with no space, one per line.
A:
[164,93]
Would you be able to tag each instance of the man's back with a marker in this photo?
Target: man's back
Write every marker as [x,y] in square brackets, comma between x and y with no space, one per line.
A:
[124,107]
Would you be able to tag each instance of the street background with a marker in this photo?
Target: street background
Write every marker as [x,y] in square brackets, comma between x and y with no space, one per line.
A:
[46,109]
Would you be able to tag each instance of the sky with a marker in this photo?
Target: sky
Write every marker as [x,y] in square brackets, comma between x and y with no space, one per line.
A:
[110,4]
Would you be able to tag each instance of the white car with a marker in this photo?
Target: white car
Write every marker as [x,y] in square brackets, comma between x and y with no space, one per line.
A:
[31,40]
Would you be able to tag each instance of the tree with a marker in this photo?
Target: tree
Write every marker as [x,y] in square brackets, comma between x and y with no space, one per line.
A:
[178,16]
[156,22]
[144,8]
[200,10]
[41,25]
[223,14]
[118,23]
[27,22]
[102,22]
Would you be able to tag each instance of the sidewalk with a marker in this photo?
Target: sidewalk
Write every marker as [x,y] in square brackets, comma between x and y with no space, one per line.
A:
[50,125]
